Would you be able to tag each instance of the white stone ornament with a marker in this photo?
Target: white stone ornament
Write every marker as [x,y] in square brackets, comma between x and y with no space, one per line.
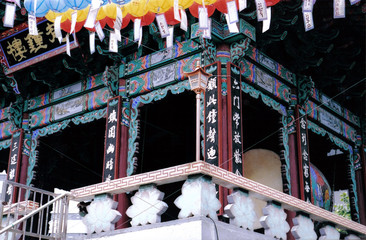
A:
[198,198]
[147,206]
[274,221]
[101,215]
[241,210]
[352,237]
[303,228]
[329,233]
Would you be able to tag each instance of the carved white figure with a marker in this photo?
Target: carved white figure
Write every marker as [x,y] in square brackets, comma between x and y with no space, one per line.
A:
[101,215]
[352,237]
[329,233]
[241,210]
[198,198]
[274,221]
[147,206]
[303,228]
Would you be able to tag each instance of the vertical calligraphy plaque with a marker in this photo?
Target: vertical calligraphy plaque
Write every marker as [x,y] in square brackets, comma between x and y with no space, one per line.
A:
[15,157]
[234,119]
[112,139]
[303,155]
[212,108]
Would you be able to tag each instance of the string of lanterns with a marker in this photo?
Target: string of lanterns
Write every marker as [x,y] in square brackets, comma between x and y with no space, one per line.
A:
[145,10]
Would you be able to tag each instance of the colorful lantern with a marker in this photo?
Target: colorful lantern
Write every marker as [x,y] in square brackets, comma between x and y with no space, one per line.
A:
[102,23]
[66,25]
[40,10]
[169,16]
[194,9]
[221,5]
[147,19]
[136,8]
[159,6]
[77,4]
[57,5]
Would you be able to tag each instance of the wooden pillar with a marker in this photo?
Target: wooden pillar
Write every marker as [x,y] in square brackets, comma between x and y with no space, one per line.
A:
[123,200]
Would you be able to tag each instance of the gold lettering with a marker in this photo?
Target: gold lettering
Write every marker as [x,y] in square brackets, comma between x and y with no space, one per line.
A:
[16,49]
[35,42]
[50,32]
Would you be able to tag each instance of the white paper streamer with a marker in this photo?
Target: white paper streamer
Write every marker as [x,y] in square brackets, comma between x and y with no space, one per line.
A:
[57,26]
[136,29]
[308,20]
[113,44]
[233,28]
[261,10]
[176,10]
[73,21]
[32,25]
[163,26]
[92,16]
[118,21]
[207,32]
[9,15]
[95,4]
[68,45]
[339,8]
[307,6]
[76,43]
[242,5]
[354,1]
[183,22]
[140,40]
[99,31]
[203,18]
[232,12]
[92,42]
[267,22]
[170,38]
[118,35]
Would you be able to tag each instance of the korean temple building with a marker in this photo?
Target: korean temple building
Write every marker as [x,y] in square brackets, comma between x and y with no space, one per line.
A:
[98,120]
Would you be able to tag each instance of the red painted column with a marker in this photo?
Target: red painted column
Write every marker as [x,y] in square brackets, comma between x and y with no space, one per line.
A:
[294,179]
[123,200]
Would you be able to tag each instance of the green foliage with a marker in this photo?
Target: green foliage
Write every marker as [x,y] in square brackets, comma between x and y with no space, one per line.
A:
[343,209]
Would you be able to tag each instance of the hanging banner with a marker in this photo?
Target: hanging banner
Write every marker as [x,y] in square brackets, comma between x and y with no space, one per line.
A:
[234,119]
[15,157]
[212,108]
[112,139]
[21,49]
[303,155]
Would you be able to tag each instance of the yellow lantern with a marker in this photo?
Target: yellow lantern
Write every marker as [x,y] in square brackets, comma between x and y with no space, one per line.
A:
[207,2]
[159,6]
[136,8]
[184,4]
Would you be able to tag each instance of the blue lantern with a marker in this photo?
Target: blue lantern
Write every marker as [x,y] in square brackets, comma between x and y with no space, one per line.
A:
[57,5]
[77,4]
[40,10]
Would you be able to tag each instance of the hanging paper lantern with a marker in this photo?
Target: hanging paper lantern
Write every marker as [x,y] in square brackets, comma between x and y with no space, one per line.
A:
[136,8]
[51,16]
[195,6]
[146,20]
[184,4]
[270,3]
[110,10]
[76,4]
[207,2]
[66,26]
[57,5]
[169,16]
[159,6]
[125,21]
[40,10]
[121,2]
[102,23]
[221,5]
